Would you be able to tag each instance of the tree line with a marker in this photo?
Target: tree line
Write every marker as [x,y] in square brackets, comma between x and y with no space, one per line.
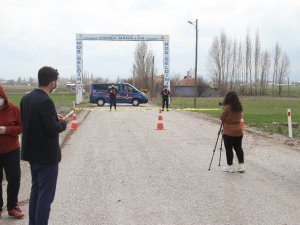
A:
[241,66]
[244,67]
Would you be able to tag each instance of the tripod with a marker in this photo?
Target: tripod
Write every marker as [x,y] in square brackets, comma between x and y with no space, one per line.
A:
[219,132]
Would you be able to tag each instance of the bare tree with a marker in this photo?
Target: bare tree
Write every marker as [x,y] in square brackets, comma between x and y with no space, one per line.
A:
[224,56]
[233,65]
[277,53]
[248,62]
[264,71]
[240,71]
[220,65]
[282,72]
[228,63]
[214,63]
[143,58]
[256,61]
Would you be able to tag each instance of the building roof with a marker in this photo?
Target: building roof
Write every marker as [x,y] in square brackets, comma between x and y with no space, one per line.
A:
[186,81]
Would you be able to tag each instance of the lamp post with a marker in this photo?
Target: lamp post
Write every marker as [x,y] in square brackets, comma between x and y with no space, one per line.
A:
[195,24]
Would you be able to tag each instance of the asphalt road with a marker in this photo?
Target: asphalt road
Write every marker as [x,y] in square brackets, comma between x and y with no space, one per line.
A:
[118,170]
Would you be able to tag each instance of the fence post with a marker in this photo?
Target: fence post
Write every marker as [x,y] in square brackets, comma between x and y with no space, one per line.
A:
[289,114]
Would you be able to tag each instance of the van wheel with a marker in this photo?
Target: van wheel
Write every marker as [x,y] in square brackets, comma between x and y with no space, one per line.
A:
[135,102]
[100,102]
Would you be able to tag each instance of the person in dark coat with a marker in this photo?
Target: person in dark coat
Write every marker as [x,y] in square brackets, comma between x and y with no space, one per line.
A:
[165,94]
[10,128]
[40,144]
[113,96]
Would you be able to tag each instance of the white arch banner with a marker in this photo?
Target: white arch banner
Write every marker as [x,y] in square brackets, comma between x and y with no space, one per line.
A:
[118,37]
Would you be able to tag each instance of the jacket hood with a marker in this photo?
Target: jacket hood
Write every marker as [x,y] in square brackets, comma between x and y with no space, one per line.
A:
[3,95]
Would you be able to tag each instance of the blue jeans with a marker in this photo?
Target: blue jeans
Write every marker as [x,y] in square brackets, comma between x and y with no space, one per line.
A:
[44,179]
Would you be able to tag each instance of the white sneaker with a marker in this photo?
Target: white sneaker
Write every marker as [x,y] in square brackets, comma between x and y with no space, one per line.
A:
[228,169]
[240,168]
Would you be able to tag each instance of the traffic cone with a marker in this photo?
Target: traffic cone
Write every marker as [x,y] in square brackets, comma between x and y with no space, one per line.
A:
[160,125]
[74,125]
[243,125]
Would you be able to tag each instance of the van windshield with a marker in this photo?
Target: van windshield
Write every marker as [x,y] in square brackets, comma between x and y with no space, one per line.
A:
[129,88]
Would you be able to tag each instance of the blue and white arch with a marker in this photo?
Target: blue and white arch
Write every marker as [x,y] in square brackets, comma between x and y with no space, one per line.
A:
[118,37]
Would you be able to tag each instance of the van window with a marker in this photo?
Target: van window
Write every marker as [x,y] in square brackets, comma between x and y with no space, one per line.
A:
[115,85]
[100,86]
[129,88]
[125,87]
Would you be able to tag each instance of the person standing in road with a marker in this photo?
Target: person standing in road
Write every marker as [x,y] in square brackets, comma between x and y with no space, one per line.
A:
[10,128]
[112,96]
[165,94]
[40,144]
[232,131]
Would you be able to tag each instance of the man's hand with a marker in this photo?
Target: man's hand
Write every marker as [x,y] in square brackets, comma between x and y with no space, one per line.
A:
[67,119]
[60,117]
[2,129]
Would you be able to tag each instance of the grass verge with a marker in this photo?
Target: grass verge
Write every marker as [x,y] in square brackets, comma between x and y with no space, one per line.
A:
[265,113]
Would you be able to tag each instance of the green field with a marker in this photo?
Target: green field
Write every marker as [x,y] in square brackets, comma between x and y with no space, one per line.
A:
[287,91]
[62,99]
[265,113]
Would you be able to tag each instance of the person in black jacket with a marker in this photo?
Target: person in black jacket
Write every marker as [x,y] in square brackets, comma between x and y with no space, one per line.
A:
[113,96]
[40,144]
[165,94]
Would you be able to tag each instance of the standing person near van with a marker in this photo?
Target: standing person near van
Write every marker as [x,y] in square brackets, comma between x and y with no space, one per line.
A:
[165,94]
[10,128]
[40,144]
[113,96]
[232,132]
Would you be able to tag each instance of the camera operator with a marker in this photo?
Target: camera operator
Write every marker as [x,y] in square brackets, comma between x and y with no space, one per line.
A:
[232,132]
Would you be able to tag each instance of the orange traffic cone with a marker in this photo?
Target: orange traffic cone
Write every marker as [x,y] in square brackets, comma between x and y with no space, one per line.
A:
[74,125]
[243,125]
[160,125]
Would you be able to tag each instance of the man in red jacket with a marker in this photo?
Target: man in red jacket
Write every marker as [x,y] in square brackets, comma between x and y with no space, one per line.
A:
[10,128]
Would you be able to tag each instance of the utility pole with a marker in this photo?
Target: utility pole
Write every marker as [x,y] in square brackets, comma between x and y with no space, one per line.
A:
[196,63]
[195,24]
[152,78]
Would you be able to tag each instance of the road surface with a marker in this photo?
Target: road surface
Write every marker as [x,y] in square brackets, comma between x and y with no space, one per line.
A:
[118,170]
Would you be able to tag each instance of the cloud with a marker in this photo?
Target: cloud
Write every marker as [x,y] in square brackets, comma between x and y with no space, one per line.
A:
[42,32]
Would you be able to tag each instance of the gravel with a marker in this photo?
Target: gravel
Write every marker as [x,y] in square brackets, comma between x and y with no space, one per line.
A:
[118,170]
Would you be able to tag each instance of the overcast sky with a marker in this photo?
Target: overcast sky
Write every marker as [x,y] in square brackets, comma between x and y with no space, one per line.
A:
[34,33]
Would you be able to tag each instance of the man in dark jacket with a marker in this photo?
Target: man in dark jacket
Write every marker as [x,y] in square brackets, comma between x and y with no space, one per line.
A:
[40,144]
[113,96]
[165,94]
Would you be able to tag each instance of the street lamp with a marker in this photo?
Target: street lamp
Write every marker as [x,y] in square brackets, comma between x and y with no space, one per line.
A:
[195,24]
